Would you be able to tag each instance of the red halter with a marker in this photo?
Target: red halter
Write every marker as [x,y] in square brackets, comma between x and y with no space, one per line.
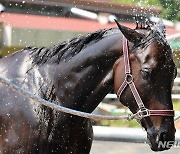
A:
[128,81]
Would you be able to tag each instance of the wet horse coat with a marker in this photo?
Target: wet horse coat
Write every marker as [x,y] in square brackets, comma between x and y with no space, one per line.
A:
[75,74]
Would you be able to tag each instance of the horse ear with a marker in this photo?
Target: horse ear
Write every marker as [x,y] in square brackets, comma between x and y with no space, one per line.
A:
[161,27]
[132,35]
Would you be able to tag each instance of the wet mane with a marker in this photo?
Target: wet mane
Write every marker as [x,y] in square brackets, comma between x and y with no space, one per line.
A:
[67,49]
[154,34]
[145,26]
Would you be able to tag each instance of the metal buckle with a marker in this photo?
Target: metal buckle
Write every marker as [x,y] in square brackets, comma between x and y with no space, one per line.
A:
[143,112]
[131,117]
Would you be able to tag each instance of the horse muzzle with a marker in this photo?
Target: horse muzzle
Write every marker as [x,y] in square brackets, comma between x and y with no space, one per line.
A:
[161,140]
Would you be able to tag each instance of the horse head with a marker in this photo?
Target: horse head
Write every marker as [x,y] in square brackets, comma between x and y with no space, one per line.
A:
[153,72]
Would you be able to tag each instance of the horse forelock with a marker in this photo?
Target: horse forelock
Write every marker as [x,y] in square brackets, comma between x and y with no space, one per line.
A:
[161,44]
[67,49]
[154,35]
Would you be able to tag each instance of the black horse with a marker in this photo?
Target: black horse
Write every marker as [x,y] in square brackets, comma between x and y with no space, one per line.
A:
[77,74]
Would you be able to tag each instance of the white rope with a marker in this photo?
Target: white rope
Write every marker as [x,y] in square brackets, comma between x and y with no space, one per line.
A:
[64,109]
[58,107]
[177,118]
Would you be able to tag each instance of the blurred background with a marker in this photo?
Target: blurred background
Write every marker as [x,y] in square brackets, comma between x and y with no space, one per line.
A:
[43,23]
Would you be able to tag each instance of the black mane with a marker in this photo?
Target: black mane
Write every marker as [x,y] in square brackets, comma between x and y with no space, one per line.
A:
[67,49]
[152,36]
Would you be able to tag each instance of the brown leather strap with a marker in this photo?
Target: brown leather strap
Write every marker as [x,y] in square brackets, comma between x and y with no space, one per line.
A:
[128,78]
[143,112]
[121,88]
[136,95]
[161,112]
[126,56]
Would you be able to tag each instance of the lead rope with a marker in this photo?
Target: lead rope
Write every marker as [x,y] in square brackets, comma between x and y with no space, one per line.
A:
[64,109]
[177,118]
[58,107]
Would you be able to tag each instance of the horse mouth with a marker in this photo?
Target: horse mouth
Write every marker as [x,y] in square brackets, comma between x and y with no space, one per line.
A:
[155,146]
[159,145]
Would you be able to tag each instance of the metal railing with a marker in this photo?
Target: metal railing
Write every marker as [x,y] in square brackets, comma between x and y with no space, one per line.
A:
[135,135]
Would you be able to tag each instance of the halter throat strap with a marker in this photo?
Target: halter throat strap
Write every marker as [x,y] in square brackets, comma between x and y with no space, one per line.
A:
[128,81]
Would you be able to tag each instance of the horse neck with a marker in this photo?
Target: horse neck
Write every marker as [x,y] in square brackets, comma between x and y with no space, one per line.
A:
[82,82]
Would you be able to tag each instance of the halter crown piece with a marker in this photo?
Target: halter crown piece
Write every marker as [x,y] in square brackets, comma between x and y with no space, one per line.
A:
[128,81]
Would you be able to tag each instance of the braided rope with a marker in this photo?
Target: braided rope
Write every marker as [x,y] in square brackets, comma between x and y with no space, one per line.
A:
[58,107]
[64,109]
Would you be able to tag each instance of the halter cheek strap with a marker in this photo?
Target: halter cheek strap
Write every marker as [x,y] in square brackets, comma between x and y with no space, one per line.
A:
[128,81]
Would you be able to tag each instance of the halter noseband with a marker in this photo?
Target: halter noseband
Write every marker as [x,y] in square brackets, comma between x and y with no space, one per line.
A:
[128,81]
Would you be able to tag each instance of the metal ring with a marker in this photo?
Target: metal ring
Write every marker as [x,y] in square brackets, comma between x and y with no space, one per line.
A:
[129,78]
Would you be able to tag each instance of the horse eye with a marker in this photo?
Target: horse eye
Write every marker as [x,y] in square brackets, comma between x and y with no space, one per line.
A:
[146,74]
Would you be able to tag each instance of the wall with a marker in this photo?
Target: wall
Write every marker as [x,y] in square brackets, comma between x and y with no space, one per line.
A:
[18,38]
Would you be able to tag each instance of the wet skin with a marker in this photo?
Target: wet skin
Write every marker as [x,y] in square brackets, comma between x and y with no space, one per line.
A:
[79,82]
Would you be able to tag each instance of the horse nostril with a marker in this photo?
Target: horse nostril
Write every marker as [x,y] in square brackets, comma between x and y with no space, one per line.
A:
[160,137]
[163,136]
